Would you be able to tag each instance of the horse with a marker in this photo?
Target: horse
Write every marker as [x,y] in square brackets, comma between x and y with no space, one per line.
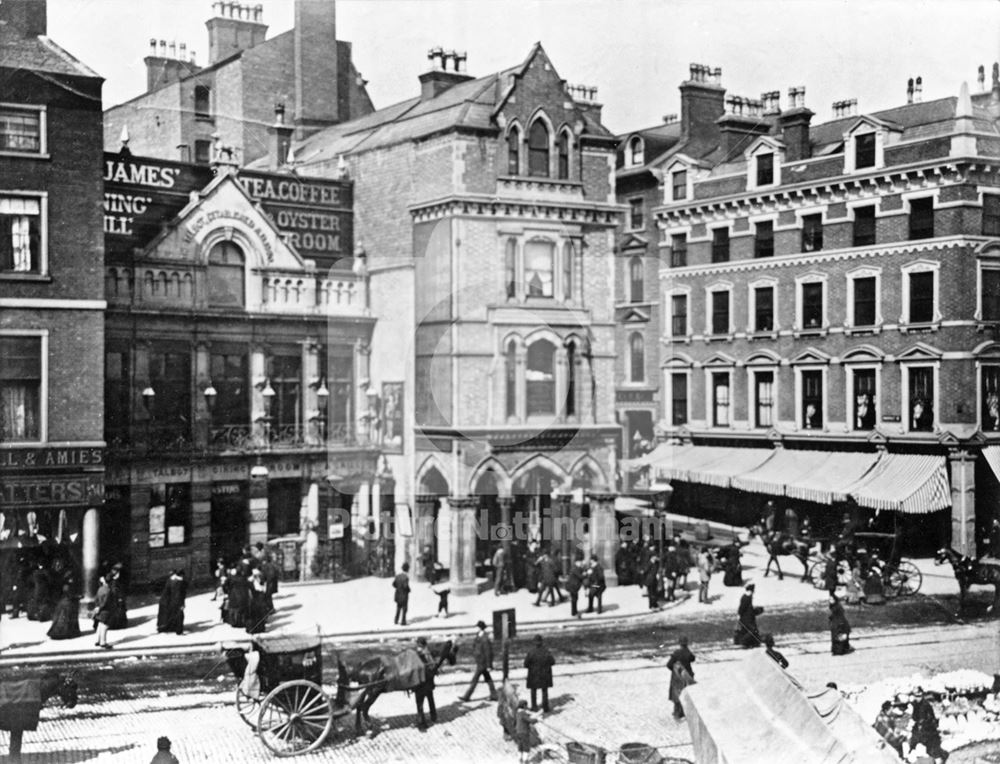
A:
[362,678]
[969,572]
[780,544]
[21,701]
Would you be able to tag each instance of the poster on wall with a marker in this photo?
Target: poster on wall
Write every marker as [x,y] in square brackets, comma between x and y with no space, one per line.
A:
[175,534]
[157,516]
[392,417]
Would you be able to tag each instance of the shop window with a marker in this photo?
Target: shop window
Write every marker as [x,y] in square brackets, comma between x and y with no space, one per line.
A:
[921,402]
[864,301]
[812,305]
[991,214]
[538,266]
[22,130]
[864,150]
[720,399]
[763,242]
[989,397]
[864,226]
[202,102]
[763,386]
[812,399]
[678,250]
[563,155]
[637,357]
[921,303]
[636,215]
[864,399]
[538,150]
[226,274]
[765,169]
[678,185]
[922,218]
[764,309]
[514,152]
[678,399]
[20,389]
[285,376]
[169,515]
[540,379]
[637,279]
[20,234]
[170,379]
[230,379]
[812,233]
[511,379]
[989,294]
[720,312]
[678,315]
[720,245]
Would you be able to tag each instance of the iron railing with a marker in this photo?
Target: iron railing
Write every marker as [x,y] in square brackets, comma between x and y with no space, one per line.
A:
[261,437]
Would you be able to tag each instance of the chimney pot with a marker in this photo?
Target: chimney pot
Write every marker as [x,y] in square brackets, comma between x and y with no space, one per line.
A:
[152,46]
[909,90]
[183,51]
[918,89]
[982,78]
[173,49]
[193,58]
[163,48]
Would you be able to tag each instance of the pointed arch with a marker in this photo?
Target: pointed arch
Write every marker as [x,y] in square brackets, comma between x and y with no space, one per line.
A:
[588,462]
[490,465]
[540,139]
[538,461]
[514,140]
[431,472]
[564,150]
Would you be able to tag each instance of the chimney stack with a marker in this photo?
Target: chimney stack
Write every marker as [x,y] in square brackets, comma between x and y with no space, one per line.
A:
[318,76]
[702,103]
[162,69]
[794,123]
[233,28]
[740,125]
[279,138]
[434,82]
[27,18]
[846,108]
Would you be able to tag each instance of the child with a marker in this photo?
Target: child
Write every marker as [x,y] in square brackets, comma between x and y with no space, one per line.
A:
[220,579]
[524,732]
[163,755]
[442,590]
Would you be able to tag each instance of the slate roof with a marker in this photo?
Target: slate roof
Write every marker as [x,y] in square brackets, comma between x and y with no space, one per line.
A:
[470,105]
[39,54]
[658,141]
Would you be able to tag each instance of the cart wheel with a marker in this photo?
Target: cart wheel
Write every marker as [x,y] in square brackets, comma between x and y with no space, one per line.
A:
[816,574]
[248,708]
[295,717]
[844,574]
[904,579]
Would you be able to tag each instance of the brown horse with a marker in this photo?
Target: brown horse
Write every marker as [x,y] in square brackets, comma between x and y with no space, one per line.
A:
[969,572]
[21,701]
[779,544]
[362,678]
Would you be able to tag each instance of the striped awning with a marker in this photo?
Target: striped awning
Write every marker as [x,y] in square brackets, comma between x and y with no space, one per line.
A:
[992,456]
[785,466]
[662,453]
[829,482]
[712,465]
[911,484]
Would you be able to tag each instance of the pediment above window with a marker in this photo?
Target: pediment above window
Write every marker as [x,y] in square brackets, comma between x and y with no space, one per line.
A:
[811,355]
[920,352]
[763,358]
[678,361]
[633,241]
[720,360]
[862,354]
[635,316]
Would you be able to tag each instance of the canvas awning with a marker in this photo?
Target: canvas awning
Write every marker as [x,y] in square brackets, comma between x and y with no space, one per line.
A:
[718,466]
[785,466]
[663,454]
[629,505]
[908,483]
[829,482]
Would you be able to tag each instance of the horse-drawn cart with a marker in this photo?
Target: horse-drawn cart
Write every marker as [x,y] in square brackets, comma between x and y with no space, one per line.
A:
[281,695]
[872,551]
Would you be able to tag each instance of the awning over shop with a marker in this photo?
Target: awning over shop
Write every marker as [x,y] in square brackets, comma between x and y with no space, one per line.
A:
[784,467]
[911,484]
[713,465]
[828,482]
[992,455]
[629,505]
[664,453]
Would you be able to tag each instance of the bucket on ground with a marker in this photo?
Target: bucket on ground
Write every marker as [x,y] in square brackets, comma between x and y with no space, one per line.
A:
[583,753]
[639,753]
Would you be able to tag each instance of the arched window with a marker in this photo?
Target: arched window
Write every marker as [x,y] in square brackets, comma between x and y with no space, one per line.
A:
[563,155]
[570,379]
[514,152]
[538,256]
[538,150]
[511,381]
[567,271]
[225,274]
[202,102]
[540,378]
[637,357]
[635,151]
[636,279]
[510,268]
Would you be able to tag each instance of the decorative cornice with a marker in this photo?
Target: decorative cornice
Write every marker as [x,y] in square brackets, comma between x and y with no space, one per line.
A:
[590,213]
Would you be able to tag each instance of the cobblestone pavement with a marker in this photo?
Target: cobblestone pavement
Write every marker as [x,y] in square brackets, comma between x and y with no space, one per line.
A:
[605,703]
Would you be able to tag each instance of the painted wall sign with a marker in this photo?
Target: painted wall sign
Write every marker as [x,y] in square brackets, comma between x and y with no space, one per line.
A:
[52,491]
[20,459]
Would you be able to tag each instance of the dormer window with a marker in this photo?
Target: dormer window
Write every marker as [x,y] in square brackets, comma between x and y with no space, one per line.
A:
[864,151]
[678,185]
[636,152]
[765,169]
[538,150]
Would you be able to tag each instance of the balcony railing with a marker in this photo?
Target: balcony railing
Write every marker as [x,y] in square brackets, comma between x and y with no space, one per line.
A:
[261,437]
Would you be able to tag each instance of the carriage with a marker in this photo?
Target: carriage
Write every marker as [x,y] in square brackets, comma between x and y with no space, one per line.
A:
[281,695]
[870,549]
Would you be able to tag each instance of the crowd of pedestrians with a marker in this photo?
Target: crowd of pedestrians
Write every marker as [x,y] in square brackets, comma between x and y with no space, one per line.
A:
[248,588]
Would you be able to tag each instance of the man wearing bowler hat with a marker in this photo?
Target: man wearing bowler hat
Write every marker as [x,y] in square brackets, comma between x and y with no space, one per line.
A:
[482,649]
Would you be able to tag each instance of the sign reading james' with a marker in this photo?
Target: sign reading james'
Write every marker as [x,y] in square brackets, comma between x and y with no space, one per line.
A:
[141,194]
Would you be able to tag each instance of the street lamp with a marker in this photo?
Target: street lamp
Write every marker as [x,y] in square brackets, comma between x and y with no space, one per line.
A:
[148,397]
[210,394]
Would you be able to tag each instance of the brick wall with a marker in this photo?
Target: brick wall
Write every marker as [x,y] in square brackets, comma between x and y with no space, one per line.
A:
[154,121]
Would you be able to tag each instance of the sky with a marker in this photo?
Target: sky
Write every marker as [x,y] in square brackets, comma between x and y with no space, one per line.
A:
[636,52]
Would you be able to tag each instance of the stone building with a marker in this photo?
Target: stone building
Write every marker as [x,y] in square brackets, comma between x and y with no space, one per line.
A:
[829,315]
[51,291]
[232,356]
[186,105]
[485,216]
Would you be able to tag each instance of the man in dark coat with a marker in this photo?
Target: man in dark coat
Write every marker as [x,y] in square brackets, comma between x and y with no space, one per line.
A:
[595,585]
[269,572]
[731,566]
[925,727]
[499,571]
[574,582]
[840,629]
[830,573]
[401,583]
[539,662]
[651,580]
[482,651]
[427,562]
[671,570]
[747,633]
[681,674]
[548,585]
[170,615]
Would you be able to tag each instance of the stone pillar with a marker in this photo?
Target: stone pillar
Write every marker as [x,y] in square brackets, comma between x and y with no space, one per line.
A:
[563,531]
[259,403]
[506,505]
[91,553]
[963,501]
[463,546]
[604,533]
[258,504]
[423,532]
[203,379]
[200,561]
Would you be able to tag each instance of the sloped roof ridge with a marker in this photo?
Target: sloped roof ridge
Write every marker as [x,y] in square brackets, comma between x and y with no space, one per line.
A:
[67,56]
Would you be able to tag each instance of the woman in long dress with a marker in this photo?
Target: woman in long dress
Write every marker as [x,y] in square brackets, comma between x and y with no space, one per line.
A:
[170,616]
[237,597]
[66,616]
[260,606]
[118,607]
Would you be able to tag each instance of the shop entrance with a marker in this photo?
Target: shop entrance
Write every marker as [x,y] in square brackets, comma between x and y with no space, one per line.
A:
[434,526]
[229,522]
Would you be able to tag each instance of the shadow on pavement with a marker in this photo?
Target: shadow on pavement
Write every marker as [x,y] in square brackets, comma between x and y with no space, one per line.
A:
[70,757]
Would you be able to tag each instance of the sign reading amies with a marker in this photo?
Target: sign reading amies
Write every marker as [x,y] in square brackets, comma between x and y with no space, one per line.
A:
[142,194]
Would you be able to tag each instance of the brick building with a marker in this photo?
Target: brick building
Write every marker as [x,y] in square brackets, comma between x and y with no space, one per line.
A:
[185,105]
[51,291]
[232,356]
[485,215]
[829,296]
